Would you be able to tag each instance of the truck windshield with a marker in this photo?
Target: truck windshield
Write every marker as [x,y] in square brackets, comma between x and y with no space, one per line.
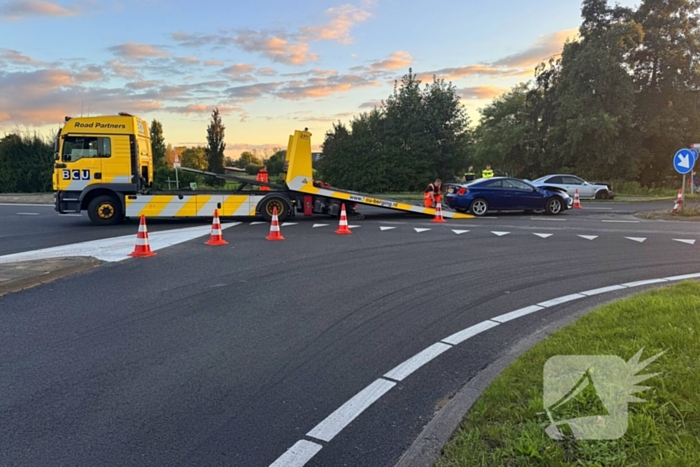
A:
[79,147]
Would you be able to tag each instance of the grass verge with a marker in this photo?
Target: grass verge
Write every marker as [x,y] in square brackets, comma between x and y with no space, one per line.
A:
[506,426]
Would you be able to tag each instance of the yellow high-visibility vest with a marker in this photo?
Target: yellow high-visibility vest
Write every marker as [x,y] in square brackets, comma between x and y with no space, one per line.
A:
[487,173]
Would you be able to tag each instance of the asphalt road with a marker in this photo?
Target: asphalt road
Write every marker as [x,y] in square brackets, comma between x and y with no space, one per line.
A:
[228,356]
[25,228]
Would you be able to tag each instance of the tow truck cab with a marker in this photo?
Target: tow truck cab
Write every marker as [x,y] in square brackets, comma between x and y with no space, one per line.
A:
[101,158]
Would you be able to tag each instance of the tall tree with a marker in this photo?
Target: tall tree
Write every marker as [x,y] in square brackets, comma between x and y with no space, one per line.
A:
[195,158]
[246,158]
[158,144]
[667,77]
[216,145]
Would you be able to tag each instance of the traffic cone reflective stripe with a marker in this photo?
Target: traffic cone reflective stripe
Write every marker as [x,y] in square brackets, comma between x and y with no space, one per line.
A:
[438,215]
[217,237]
[275,233]
[679,202]
[577,200]
[142,248]
[343,228]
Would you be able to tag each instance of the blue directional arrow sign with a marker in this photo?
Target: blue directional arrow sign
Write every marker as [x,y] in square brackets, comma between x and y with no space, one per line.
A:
[684,161]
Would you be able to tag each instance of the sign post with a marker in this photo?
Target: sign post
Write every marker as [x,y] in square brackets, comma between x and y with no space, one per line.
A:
[176,165]
[692,175]
[683,162]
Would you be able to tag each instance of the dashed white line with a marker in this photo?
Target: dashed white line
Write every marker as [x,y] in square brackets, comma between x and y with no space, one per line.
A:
[649,282]
[298,455]
[354,226]
[637,239]
[405,369]
[560,300]
[384,229]
[420,230]
[289,224]
[501,234]
[589,237]
[517,314]
[32,205]
[612,288]
[257,223]
[27,213]
[681,240]
[621,222]
[541,235]
[464,334]
[547,219]
[316,226]
[346,413]
[460,232]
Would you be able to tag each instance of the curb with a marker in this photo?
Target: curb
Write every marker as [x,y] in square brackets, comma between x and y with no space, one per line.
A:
[428,445]
[47,276]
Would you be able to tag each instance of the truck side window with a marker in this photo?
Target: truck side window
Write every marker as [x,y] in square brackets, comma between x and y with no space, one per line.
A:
[79,147]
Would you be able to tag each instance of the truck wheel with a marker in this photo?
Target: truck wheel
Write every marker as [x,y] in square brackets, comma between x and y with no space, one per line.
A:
[105,210]
[268,205]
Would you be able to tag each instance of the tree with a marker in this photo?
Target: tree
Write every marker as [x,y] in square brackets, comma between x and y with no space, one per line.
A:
[275,164]
[215,145]
[245,159]
[158,144]
[26,164]
[195,158]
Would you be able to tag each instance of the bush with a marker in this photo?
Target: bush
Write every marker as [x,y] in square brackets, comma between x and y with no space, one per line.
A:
[253,169]
[26,164]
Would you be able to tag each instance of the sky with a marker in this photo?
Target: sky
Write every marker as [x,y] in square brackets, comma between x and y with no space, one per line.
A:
[271,67]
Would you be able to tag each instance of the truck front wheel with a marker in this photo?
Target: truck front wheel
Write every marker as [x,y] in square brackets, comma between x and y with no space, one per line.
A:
[105,210]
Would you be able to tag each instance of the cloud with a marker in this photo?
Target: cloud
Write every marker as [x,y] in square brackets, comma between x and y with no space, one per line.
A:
[396,60]
[134,51]
[481,92]
[274,47]
[213,63]
[123,71]
[251,91]
[141,85]
[267,71]
[15,9]
[16,58]
[313,72]
[547,46]
[343,18]
[370,104]
[240,72]
[323,87]
[193,40]
[188,60]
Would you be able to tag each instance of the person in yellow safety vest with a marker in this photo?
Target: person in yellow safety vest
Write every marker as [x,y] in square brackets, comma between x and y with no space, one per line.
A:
[469,175]
[433,194]
[487,172]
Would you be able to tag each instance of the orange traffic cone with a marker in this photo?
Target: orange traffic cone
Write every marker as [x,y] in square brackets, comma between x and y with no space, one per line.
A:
[679,202]
[577,200]
[142,249]
[217,237]
[275,233]
[438,214]
[343,228]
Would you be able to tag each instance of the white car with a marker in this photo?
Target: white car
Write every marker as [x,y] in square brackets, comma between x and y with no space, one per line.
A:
[571,183]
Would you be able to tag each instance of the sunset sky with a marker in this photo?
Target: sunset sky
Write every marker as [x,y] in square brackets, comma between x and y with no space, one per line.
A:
[270,66]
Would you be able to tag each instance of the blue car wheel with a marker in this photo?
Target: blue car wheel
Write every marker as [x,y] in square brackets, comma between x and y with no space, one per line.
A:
[479,207]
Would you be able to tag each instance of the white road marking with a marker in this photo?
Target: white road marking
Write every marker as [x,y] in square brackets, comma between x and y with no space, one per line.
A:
[543,235]
[72,215]
[27,213]
[621,222]
[258,223]
[116,248]
[612,288]
[420,230]
[468,333]
[641,283]
[501,234]
[681,240]
[517,314]
[346,413]
[560,300]
[460,232]
[589,237]
[304,450]
[297,455]
[288,224]
[316,226]
[405,369]
[682,278]
[547,219]
[383,229]
[33,205]
[636,239]
[354,226]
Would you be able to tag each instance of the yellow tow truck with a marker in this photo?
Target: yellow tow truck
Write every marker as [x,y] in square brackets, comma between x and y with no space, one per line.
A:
[104,165]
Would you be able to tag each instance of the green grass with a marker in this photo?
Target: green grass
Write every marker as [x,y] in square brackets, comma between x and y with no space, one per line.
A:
[506,425]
